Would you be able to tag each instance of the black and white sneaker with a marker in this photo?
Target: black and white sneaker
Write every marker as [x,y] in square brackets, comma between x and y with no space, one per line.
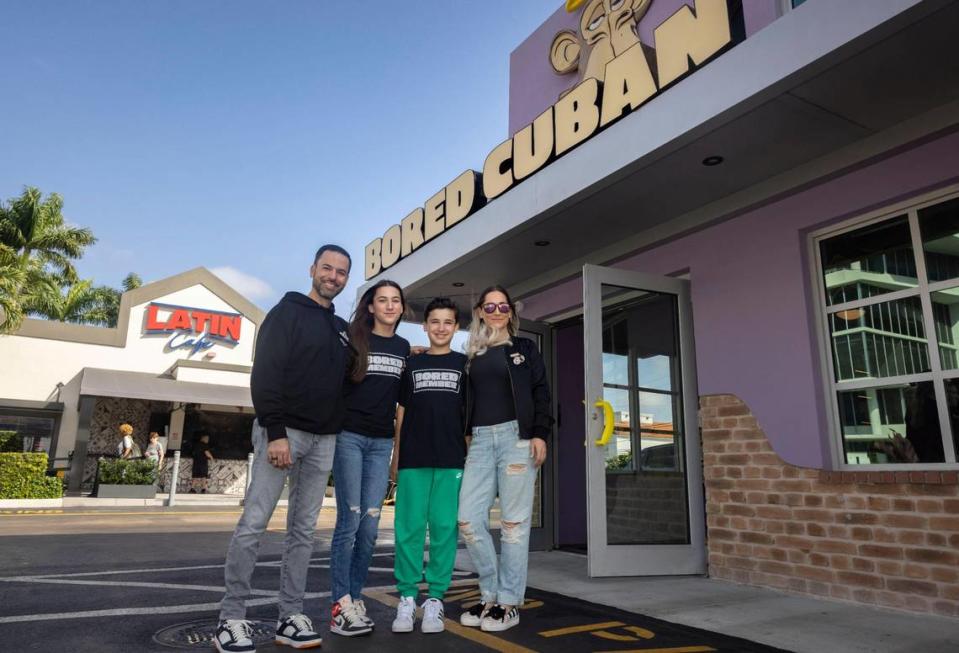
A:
[499,618]
[361,610]
[297,631]
[474,616]
[234,636]
[346,620]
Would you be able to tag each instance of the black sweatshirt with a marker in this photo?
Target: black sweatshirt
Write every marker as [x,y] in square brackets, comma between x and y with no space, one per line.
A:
[301,361]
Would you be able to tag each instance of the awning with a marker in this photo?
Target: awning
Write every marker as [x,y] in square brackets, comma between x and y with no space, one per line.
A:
[143,385]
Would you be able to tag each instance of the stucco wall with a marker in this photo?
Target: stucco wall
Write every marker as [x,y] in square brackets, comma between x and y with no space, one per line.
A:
[752,301]
[32,367]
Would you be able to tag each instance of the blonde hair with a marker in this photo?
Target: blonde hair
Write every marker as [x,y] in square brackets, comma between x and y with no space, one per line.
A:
[481,335]
[126,429]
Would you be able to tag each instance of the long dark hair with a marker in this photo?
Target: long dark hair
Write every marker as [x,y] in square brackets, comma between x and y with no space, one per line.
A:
[361,326]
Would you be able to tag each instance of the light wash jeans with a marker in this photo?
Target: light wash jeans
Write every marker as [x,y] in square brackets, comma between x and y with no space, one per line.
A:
[498,460]
[312,456]
[361,473]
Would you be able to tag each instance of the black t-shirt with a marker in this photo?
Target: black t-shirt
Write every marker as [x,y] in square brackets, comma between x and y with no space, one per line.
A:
[492,392]
[371,404]
[433,417]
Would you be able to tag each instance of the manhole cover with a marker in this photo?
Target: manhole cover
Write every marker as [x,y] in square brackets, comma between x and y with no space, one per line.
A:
[199,634]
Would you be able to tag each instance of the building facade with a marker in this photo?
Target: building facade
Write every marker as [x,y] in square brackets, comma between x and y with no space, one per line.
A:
[734,225]
[177,363]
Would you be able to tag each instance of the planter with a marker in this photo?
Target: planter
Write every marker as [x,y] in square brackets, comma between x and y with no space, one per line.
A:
[126,491]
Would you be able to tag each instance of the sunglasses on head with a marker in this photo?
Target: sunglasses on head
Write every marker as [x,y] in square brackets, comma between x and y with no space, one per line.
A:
[490,308]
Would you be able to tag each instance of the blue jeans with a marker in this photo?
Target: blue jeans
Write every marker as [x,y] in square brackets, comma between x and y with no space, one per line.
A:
[498,461]
[312,456]
[361,473]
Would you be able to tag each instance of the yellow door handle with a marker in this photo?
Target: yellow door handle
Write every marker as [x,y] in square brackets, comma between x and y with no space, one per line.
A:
[607,422]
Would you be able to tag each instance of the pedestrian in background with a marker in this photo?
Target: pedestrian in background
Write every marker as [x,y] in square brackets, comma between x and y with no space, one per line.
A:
[127,448]
[202,457]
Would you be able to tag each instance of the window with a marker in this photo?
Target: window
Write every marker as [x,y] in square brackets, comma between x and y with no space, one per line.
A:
[890,299]
[35,429]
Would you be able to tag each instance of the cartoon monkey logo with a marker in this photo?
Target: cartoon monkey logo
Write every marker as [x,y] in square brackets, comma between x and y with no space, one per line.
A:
[607,28]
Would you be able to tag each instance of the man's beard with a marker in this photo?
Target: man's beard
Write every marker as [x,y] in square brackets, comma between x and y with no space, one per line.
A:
[323,291]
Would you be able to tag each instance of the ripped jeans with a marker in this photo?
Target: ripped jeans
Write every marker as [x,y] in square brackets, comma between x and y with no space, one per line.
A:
[498,461]
[361,473]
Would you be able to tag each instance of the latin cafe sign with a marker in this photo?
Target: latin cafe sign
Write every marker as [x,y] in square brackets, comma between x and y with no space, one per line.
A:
[196,329]
[619,74]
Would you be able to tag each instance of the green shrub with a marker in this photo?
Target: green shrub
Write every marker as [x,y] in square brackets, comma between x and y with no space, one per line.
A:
[622,461]
[120,471]
[10,442]
[24,476]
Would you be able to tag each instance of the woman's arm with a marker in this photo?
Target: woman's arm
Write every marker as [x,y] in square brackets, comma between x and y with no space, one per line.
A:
[397,428]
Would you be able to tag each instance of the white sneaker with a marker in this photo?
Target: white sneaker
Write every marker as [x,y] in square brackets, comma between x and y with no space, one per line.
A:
[499,618]
[405,615]
[432,617]
[361,610]
[474,616]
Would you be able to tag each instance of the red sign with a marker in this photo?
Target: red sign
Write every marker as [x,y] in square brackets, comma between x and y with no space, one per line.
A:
[165,318]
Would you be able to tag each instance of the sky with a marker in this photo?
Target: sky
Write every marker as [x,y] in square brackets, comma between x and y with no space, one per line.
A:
[241,135]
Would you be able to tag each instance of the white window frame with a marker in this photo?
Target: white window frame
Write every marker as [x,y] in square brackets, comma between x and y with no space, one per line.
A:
[923,291]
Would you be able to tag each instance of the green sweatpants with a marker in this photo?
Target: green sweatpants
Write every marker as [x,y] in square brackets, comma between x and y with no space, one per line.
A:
[426,496]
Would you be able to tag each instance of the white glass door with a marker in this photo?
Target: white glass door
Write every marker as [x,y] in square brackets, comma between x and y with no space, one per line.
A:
[644,470]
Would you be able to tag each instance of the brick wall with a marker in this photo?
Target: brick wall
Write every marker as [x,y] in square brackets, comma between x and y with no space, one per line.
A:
[883,538]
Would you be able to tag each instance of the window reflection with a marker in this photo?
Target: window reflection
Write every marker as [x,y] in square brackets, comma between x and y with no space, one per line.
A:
[871,261]
[645,482]
[879,340]
[893,424]
[939,226]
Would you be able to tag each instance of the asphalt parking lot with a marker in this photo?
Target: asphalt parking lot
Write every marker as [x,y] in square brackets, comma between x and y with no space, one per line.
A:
[151,581]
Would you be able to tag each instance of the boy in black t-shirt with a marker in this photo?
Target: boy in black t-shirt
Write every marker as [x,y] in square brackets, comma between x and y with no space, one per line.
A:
[428,458]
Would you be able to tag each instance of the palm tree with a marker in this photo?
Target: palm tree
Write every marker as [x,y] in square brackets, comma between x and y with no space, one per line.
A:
[77,302]
[34,228]
[36,250]
[108,300]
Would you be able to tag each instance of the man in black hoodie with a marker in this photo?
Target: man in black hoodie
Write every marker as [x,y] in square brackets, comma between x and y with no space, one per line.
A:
[302,356]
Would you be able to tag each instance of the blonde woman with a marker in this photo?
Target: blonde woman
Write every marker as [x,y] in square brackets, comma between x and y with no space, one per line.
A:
[507,408]
[125,447]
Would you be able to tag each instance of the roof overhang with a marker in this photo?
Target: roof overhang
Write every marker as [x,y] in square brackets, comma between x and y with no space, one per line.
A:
[832,79]
[97,382]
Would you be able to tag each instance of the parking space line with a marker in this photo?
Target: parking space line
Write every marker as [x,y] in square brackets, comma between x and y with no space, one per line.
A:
[671,649]
[149,610]
[472,634]
[559,632]
[64,513]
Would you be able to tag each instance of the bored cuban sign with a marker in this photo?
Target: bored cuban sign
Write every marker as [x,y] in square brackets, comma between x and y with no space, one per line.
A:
[195,329]
[617,74]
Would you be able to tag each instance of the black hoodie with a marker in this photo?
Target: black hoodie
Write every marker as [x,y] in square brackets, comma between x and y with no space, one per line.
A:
[300,364]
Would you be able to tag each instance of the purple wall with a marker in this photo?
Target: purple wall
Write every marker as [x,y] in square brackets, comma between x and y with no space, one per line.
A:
[751,294]
[571,454]
[534,85]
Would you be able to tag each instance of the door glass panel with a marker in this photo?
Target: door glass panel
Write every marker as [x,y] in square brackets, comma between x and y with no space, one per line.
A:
[646,499]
